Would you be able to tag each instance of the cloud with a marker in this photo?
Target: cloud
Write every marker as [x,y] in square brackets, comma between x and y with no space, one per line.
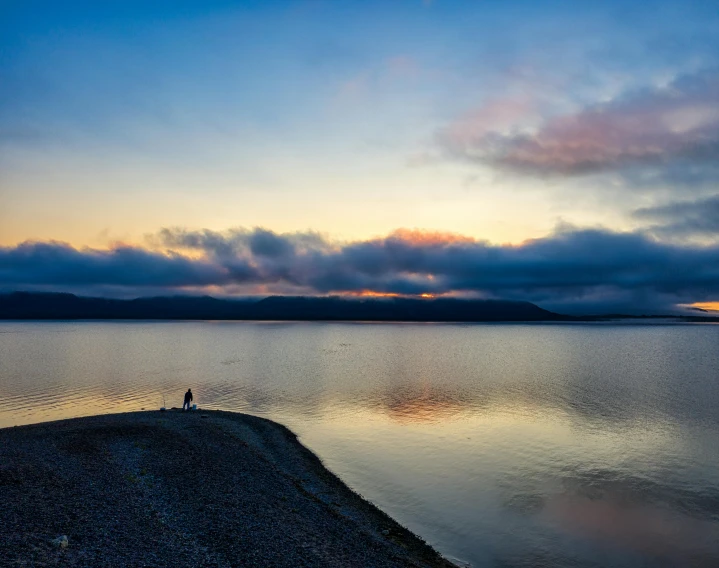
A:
[678,123]
[699,218]
[576,270]
[59,264]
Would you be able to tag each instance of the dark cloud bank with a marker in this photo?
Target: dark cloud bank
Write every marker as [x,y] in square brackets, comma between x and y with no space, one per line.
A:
[572,270]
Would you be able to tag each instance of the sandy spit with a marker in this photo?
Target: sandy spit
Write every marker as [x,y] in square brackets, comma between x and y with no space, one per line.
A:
[202,488]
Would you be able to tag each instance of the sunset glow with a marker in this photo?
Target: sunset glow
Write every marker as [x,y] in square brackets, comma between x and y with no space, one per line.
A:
[429,238]
[464,252]
[375,294]
[708,306]
[461,154]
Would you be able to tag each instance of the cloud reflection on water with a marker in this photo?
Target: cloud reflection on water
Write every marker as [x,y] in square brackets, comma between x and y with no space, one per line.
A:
[519,443]
[667,536]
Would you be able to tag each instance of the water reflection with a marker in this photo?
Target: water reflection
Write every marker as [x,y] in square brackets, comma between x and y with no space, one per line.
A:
[662,535]
[502,445]
[417,403]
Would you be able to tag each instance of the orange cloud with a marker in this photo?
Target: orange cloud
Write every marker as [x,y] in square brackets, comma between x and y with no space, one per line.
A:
[429,238]
[377,294]
[708,306]
[373,294]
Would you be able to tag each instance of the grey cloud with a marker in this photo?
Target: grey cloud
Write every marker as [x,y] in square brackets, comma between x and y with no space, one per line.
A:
[220,244]
[239,241]
[656,128]
[578,269]
[60,264]
[266,243]
[699,218]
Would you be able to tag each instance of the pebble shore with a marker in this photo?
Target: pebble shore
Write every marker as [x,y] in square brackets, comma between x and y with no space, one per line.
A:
[185,489]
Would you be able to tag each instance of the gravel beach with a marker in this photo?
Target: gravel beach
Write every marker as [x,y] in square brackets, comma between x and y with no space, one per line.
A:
[201,488]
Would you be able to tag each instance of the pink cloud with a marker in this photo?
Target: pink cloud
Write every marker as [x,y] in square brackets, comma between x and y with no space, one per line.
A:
[388,73]
[655,126]
[354,88]
[403,66]
[496,116]
[670,536]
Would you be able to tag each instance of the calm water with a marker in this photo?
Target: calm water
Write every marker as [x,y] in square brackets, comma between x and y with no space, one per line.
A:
[501,445]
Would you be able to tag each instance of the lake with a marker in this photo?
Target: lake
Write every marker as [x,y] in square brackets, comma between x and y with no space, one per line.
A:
[501,445]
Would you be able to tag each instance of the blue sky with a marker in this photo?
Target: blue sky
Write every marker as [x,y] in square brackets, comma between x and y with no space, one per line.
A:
[497,121]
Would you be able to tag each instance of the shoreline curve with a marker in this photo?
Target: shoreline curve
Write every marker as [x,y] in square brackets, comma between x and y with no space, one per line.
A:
[201,488]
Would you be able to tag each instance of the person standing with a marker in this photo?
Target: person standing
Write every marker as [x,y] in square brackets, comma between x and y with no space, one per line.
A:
[188,400]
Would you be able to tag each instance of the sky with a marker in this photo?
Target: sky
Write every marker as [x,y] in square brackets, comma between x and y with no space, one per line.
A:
[565,153]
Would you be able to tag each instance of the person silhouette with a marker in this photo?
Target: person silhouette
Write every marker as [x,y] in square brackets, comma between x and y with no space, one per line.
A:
[188,400]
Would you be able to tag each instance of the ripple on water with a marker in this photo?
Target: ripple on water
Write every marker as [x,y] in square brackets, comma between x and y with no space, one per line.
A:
[556,445]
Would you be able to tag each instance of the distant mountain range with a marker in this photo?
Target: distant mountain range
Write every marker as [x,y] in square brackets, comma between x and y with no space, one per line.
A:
[58,306]
[28,305]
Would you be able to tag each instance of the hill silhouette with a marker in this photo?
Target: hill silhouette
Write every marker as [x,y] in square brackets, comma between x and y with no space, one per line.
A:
[53,306]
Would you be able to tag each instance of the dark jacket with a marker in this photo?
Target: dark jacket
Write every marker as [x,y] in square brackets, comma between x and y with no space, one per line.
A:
[188,396]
